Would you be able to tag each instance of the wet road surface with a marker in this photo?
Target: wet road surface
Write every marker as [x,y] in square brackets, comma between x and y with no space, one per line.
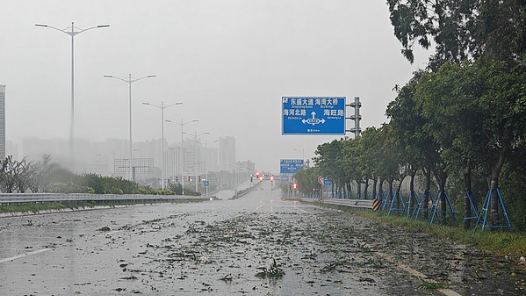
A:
[254,245]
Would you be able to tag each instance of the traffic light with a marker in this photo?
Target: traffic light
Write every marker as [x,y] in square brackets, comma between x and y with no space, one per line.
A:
[199,178]
[176,179]
[271,178]
[295,186]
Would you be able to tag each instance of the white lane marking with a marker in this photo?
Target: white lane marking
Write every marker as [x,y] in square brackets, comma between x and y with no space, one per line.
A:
[24,255]
[445,291]
[411,271]
[416,273]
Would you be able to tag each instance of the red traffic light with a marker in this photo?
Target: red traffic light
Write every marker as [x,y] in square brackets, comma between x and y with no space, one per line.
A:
[271,178]
[295,186]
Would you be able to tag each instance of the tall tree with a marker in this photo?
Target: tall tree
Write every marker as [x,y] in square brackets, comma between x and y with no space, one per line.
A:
[460,29]
[407,129]
[329,158]
[476,111]
[370,154]
[446,24]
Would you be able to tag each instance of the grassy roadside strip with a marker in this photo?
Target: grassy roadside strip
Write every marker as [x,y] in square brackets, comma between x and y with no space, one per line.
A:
[500,242]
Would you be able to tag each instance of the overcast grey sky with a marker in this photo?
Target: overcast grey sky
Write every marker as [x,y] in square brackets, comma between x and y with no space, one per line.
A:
[229,62]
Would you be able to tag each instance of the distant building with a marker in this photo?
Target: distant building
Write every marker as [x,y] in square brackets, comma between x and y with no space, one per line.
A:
[212,159]
[194,162]
[34,149]
[11,148]
[2,121]
[172,163]
[246,166]
[227,154]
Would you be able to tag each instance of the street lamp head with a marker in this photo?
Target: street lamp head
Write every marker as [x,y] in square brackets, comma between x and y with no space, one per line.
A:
[108,76]
[103,26]
[146,104]
[39,25]
[151,76]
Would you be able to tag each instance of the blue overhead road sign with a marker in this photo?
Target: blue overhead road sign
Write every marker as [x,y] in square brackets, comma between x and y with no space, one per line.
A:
[313,115]
[290,166]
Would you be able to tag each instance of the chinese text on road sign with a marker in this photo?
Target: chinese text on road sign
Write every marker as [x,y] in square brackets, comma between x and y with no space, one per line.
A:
[290,166]
[313,115]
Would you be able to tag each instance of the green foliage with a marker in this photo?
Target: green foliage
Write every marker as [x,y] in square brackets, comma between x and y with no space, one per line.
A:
[460,29]
[30,207]
[48,177]
[273,271]
[514,187]
[328,160]
[307,180]
[106,185]
[176,188]
[68,188]
[504,243]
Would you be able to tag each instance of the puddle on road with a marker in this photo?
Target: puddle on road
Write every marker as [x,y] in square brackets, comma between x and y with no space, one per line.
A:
[175,250]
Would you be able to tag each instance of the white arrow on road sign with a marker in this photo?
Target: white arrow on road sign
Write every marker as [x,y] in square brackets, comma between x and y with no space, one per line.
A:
[313,120]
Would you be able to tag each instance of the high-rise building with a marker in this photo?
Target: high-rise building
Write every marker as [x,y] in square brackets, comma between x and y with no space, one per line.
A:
[193,158]
[2,122]
[172,163]
[247,166]
[227,153]
[212,159]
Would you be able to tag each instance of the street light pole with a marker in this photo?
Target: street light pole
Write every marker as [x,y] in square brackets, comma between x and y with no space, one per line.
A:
[162,107]
[130,80]
[303,155]
[72,33]
[182,124]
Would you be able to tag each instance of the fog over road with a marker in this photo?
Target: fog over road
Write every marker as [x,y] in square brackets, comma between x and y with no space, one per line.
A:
[217,248]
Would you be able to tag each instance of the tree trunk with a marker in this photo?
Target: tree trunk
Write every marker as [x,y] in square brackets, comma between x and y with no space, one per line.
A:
[358,190]
[375,181]
[427,192]
[390,191]
[443,204]
[412,200]
[397,193]
[441,176]
[467,202]
[366,188]
[495,172]
[380,190]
